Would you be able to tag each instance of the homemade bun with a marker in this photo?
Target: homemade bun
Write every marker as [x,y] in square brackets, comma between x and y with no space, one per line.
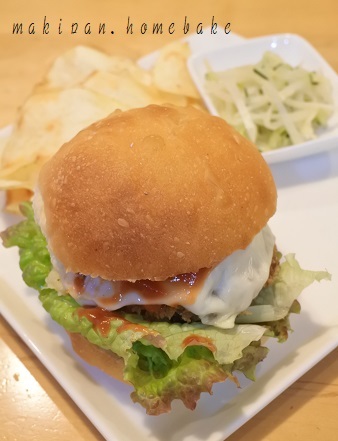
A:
[107,361]
[154,192]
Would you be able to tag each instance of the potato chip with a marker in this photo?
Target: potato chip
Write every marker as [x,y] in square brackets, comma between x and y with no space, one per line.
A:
[15,197]
[21,175]
[4,137]
[47,120]
[170,71]
[82,86]
[123,65]
[72,67]
[128,92]
[76,65]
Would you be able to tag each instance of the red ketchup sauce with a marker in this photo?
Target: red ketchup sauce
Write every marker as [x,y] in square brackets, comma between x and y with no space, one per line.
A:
[187,285]
[101,319]
[192,340]
[183,286]
[78,283]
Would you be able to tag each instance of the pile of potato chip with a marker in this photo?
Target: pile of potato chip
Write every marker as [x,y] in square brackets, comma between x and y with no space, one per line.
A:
[82,86]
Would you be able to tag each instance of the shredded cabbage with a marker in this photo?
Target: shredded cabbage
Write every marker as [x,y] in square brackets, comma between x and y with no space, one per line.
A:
[272,103]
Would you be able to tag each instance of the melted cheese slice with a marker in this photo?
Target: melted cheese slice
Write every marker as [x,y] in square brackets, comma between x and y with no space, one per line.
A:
[216,295]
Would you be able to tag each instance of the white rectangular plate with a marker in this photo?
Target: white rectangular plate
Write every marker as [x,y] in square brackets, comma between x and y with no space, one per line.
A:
[306,223]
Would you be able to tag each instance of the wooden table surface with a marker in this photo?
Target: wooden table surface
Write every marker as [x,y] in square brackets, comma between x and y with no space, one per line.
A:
[32,404]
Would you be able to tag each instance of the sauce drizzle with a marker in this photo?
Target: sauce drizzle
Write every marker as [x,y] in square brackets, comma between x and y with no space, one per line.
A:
[101,320]
[79,283]
[194,339]
[182,289]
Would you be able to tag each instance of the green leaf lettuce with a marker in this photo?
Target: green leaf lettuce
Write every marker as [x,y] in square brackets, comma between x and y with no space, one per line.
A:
[166,361]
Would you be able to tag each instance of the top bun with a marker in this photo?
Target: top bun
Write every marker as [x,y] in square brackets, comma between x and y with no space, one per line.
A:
[154,192]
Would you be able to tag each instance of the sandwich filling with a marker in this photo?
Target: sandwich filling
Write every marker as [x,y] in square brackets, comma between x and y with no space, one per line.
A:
[216,295]
[165,361]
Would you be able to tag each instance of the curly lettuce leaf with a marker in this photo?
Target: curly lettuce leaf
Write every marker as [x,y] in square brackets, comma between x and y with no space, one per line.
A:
[163,361]
[194,372]
[35,261]
[273,303]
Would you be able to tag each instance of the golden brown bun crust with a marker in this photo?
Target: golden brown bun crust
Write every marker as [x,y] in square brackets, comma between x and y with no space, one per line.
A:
[154,192]
[106,361]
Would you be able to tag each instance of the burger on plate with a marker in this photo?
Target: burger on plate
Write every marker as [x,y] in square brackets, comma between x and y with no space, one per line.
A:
[148,242]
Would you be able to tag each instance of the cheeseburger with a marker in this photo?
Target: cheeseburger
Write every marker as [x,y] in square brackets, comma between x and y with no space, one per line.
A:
[148,242]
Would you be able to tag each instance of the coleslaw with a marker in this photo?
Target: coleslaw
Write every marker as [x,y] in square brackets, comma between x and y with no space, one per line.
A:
[272,103]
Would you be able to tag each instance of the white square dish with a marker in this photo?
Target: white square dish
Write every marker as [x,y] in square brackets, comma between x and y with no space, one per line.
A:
[295,51]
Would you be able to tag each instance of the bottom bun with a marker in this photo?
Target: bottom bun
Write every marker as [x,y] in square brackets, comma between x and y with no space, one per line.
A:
[105,360]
